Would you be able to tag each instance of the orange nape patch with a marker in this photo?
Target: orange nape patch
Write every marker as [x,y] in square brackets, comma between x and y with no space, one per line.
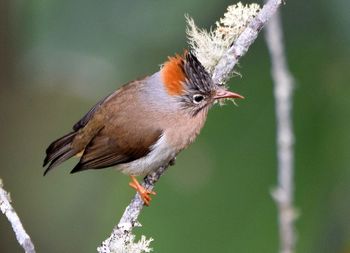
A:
[173,75]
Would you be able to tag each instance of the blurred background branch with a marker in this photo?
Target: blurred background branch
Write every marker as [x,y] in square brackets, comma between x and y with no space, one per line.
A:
[283,91]
[11,215]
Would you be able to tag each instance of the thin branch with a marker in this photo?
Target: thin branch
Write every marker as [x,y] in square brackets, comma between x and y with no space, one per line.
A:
[122,231]
[221,73]
[225,66]
[11,215]
[283,91]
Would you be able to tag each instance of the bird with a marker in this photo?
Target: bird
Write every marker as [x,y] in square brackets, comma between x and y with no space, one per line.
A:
[144,124]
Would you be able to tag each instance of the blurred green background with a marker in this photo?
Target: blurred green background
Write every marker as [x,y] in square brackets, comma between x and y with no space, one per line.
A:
[57,58]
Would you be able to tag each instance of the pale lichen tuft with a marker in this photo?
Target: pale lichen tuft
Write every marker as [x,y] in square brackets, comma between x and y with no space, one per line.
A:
[210,46]
[128,245]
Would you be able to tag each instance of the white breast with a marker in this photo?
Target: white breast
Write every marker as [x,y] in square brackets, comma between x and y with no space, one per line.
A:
[161,154]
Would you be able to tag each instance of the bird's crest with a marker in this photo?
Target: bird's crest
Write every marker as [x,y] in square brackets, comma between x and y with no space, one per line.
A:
[184,72]
[173,75]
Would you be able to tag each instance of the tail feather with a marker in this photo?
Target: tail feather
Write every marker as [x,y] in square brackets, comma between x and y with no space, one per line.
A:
[59,151]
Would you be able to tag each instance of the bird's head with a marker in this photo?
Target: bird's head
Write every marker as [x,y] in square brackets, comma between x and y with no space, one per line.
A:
[190,84]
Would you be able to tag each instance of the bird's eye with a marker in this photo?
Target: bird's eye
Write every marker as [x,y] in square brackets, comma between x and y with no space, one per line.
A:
[197,98]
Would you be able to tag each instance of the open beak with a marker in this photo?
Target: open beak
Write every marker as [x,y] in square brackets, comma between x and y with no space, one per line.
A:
[222,93]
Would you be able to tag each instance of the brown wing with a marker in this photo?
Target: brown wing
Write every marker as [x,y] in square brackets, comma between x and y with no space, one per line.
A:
[84,120]
[128,132]
[106,150]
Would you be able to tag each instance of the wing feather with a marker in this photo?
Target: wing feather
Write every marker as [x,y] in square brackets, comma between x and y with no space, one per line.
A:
[106,151]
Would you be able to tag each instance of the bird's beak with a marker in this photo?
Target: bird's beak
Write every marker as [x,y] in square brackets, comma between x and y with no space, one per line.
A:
[223,93]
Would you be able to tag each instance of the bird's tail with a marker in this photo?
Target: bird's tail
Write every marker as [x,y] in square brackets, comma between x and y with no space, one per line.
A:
[59,151]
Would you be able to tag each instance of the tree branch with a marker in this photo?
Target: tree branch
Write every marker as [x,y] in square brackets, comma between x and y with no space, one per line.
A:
[122,231]
[283,91]
[221,73]
[225,66]
[11,215]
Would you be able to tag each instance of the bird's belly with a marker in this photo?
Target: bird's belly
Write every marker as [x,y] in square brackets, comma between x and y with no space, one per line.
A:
[160,155]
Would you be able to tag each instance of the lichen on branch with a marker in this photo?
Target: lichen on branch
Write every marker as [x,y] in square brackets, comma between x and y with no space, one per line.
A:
[17,227]
[210,46]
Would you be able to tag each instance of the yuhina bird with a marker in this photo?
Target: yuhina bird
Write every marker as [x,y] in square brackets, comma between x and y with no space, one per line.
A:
[144,124]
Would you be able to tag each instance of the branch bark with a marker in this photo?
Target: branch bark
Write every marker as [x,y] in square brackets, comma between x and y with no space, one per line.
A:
[122,231]
[220,75]
[11,215]
[283,92]
[225,66]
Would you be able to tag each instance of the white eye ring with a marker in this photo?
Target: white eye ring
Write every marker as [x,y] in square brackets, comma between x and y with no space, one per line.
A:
[198,98]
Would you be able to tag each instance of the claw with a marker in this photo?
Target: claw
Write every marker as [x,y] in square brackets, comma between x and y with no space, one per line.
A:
[144,193]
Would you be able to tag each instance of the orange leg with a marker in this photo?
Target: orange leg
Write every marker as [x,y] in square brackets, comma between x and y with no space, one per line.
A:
[144,193]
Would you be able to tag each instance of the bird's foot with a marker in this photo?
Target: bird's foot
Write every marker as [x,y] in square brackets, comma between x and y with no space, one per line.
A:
[144,193]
